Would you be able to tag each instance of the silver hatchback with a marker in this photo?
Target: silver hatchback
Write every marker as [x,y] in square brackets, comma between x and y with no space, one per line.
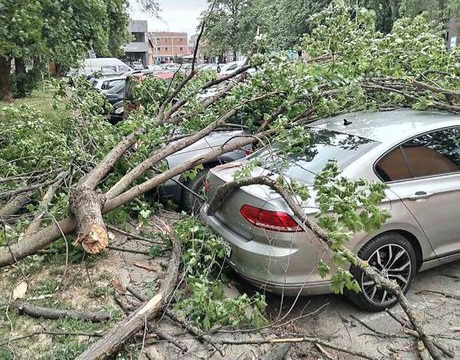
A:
[417,154]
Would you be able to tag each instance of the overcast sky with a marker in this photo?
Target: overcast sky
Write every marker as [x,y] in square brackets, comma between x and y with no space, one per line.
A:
[176,15]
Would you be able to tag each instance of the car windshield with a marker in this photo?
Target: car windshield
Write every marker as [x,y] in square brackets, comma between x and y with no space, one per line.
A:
[325,145]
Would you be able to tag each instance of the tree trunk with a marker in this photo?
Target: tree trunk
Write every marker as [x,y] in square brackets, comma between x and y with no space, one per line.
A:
[86,206]
[5,81]
[14,205]
[19,65]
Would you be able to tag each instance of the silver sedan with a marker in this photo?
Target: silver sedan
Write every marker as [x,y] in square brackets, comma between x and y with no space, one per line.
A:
[417,154]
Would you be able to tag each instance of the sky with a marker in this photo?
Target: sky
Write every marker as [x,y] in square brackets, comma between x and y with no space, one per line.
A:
[175,15]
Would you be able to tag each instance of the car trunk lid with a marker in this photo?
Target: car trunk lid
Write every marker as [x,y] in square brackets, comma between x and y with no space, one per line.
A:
[257,196]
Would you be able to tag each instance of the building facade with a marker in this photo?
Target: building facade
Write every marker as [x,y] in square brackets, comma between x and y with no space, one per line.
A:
[453,33]
[139,48]
[168,46]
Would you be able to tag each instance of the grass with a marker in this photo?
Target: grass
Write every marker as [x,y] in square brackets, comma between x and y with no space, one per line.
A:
[47,287]
[42,99]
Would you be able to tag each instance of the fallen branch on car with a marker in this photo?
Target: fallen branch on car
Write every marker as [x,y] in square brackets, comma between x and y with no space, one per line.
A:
[390,286]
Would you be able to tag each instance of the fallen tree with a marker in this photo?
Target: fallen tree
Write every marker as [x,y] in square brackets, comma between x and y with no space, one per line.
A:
[108,167]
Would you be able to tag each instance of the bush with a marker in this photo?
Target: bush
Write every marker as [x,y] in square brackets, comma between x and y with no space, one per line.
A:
[22,85]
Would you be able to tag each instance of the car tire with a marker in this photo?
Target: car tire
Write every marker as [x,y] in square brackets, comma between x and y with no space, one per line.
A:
[394,257]
[190,202]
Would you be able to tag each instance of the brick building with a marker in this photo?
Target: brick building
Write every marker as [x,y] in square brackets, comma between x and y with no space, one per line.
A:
[168,46]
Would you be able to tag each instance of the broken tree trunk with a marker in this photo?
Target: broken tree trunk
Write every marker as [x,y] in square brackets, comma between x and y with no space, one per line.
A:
[114,339]
[31,244]
[86,206]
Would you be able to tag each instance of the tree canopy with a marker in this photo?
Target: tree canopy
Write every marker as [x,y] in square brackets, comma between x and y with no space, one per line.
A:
[235,23]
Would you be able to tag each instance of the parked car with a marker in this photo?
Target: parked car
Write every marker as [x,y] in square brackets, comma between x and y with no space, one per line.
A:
[154,68]
[175,191]
[230,68]
[105,84]
[417,154]
[137,65]
[120,97]
[105,66]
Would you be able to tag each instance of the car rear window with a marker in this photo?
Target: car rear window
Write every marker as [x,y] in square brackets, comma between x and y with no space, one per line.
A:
[325,145]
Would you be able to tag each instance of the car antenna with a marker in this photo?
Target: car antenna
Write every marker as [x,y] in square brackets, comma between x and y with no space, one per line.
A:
[346,122]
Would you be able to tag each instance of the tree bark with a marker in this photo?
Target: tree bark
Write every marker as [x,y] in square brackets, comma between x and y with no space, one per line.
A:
[86,206]
[14,205]
[115,338]
[5,80]
[31,244]
[19,66]
[54,314]
[37,221]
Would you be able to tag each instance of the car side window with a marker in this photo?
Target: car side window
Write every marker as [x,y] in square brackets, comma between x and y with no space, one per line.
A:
[393,166]
[433,153]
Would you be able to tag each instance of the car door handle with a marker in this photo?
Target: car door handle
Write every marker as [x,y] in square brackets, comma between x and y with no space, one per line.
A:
[420,195]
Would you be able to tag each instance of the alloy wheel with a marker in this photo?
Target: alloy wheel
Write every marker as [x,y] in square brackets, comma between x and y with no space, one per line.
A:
[393,262]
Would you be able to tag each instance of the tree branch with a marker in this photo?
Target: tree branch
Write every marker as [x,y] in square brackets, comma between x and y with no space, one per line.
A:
[49,313]
[115,338]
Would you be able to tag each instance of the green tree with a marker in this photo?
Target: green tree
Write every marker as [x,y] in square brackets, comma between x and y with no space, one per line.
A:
[61,31]
[439,11]
[230,27]
[20,31]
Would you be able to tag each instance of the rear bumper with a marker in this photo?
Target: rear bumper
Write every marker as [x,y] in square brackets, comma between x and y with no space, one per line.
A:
[267,266]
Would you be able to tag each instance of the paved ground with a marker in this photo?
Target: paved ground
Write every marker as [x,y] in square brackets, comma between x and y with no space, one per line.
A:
[335,319]
[329,317]
[439,314]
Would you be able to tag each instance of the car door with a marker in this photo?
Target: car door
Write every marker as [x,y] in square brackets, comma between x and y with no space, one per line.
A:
[429,184]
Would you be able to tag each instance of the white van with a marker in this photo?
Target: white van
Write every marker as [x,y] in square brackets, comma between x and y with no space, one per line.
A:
[105,66]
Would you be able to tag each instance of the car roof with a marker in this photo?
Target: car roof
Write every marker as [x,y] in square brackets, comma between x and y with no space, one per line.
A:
[110,78]
[389,126]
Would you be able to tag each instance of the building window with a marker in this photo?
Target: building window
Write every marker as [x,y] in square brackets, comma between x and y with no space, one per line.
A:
[166,48]
[158,48]
[138,37]
[180,48]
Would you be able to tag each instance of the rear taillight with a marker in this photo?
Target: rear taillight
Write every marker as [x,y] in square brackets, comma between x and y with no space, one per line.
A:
[206,186]
[272,220]
[248,151]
